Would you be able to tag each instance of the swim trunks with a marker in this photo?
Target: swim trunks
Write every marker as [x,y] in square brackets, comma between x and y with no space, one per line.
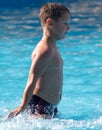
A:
[38,105]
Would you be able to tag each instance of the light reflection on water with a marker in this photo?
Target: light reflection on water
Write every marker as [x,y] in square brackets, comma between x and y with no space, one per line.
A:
[81,105]
[19,24]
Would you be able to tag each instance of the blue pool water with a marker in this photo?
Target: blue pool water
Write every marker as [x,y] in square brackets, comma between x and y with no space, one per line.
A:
[81,104]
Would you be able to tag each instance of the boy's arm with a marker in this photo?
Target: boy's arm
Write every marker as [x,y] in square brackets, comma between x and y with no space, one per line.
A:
[38,67]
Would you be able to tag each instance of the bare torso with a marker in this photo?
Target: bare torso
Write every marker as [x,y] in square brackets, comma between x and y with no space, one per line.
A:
[49,85]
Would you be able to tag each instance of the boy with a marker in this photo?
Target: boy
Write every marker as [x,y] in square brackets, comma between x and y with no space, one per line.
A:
[44,87]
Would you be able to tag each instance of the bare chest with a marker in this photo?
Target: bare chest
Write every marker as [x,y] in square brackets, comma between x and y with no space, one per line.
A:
[57,62]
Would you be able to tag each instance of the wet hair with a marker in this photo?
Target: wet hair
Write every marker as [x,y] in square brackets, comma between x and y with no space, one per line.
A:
[53,11]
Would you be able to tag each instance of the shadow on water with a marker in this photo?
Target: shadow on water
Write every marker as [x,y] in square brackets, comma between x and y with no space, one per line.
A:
[29,3]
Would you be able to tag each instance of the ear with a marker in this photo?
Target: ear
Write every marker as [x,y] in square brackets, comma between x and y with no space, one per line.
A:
[49,21]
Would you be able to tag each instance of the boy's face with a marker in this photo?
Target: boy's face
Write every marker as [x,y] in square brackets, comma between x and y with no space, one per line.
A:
[61,27]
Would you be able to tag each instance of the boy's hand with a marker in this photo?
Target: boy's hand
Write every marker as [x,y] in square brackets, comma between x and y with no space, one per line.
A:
[14,112]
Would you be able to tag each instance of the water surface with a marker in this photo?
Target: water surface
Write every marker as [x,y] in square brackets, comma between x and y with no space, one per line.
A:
[81,104]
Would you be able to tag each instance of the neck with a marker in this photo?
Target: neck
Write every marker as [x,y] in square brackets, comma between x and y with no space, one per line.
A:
[48,36]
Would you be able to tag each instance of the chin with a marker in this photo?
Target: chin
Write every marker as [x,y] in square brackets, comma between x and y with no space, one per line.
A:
[62,37]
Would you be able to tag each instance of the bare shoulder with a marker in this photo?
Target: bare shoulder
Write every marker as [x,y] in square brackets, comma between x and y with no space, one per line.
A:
[41,58]
[42,52]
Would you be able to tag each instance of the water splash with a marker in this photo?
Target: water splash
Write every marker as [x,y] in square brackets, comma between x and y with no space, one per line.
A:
[23,123]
